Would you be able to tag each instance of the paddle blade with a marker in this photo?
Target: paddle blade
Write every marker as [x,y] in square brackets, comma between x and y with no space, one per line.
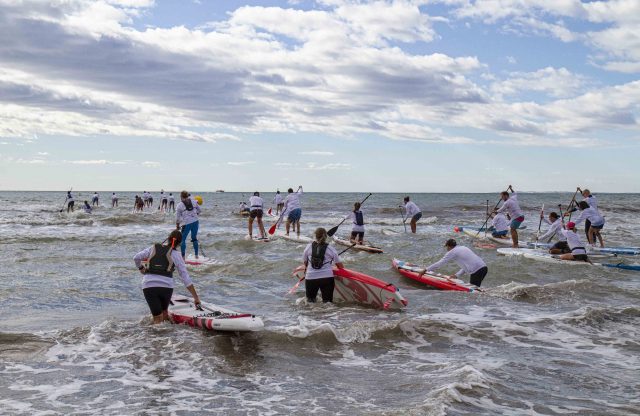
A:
[332,231]
[269,212]
[272,229]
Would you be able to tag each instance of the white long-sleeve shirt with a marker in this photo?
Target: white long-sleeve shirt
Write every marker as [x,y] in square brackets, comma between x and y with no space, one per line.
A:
[155,280]
[183,216]
[553,231]
[592,215]
[330,259]
[469,261]
[500,222]
[573,240]
[278,199]
[355,227]
[293,201]
[411,208]
[592,201]
[512,207]
[255,202]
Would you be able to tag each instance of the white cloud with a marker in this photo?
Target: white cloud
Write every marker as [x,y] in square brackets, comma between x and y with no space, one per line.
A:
[43,153]
[555,82]
[96,162]
[244,163]
[150,164]
[316,153]
[328,166]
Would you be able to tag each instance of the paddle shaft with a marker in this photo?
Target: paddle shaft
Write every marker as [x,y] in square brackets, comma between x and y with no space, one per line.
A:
[272,229]
[541,215]
[572,202]
[333,230]
[404,220]
[489,215]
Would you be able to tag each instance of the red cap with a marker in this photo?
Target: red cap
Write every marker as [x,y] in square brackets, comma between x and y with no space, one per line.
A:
[571,225]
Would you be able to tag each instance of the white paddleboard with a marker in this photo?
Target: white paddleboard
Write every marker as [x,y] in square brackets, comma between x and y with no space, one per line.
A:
[183,311]
[481,235]
[362,247]
[191,260]
[293,237]
[257,239]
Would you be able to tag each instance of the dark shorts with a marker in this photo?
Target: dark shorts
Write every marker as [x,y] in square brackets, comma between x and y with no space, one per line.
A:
[561,245]
[499,233]
[295,215]
[477,277]
[71,203]
[256,213]
[158,299]
[325,285]
[580,257]
[359,235]
[597,227]
[515,223]
[416,217]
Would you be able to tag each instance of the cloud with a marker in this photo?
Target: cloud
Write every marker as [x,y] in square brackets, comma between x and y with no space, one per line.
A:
[150,164]
[555,82]
[43,153]
[245,163]
[316,153]
[96,162]
[328,166]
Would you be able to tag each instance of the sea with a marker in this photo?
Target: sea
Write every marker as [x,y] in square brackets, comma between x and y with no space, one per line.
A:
[542,339]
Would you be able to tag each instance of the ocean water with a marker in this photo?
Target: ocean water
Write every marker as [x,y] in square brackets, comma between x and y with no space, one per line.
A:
[543,339]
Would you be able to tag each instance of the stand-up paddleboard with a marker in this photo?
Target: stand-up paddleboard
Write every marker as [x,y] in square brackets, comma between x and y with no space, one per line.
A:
[352,286]
[481,235]
[522,251]
[552,258]
[200,261]
[183,311]
[389,231]
[362,247]
[257,238]
[625,251]
[293,237]
[240,213]
[432,279]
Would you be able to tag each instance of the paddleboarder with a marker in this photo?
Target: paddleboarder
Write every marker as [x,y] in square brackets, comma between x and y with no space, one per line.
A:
[499,226]
[321,257]
[413,212]
[172,202]
[278,200]
[114,200]
[590,215]
[256,211]
[187,222]
[157,283]
[163,201]
[95,199]
[70,202]
[293,210]
[87,207]
[554,231]
[578,251]
[511,206]
[469,262]
[357,229]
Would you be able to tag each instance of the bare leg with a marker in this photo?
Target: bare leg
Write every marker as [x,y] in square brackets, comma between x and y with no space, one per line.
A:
[413,226]
[599,236]
[567,256]
[261,227]
[514,237]
[287,225]
[298,227]
[250,227]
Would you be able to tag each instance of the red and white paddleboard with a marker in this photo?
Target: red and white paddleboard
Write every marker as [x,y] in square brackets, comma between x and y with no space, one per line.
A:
[362,247]
[352,286]
[183,311]
[435,280]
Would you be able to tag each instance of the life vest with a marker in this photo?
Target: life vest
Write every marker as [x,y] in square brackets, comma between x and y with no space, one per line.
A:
[160,261]
[359,218]
[317,254]
[188,204]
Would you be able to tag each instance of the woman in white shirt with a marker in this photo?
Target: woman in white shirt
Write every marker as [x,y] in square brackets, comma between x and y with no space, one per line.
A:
[319,258]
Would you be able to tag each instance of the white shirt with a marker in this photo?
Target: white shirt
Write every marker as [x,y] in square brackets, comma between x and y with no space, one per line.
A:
[114,197]
[145,195]
[171,198]
[183,216]
[155,280]
[464,257]
[256,203]
[162,196]
[553,232]
[412,209]
[95,196]
[278,199]
[500,222]
[330,259]
[573,240]
[512,207]
[356,228]
[592,215]
[69,198]
[592,201]
[293,201]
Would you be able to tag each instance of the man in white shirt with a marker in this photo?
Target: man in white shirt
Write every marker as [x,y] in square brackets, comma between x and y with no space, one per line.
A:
[465,258]
[512,207]
[413,212]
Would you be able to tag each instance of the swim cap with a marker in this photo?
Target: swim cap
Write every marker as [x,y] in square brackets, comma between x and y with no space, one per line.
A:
[571,225]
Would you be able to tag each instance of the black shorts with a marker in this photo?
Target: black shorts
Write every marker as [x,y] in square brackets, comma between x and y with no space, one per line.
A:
[70,204]
[357,235]
[561,245]
[580,257]
[326,286]
[477,277]
[416,217]
[158,299]
[256,213]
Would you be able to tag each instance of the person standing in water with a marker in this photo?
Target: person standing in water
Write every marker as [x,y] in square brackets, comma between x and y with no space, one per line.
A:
[157,281]
[512,207]
[591,216]
[468,261]
[256,211]
[279,202]
[357,229]
[95,199]
[87,208]
[413,212]
[293,210]
[70,202]
[172,202]
[163,201]
[114,200]
[187,222]
[321,257]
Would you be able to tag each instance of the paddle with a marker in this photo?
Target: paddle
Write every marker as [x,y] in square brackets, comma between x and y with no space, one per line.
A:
[541,215]
[333,230]
[489,215]
[572,203]
[293,289]
[404,220]
[65,200]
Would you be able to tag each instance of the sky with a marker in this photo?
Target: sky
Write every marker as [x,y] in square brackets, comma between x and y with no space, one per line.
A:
[335,95]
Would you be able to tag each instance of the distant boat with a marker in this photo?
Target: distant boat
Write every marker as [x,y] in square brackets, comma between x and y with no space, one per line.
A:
[219,190]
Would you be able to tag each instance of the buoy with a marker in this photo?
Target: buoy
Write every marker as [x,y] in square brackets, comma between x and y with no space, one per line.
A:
[456,229]
[199,199]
